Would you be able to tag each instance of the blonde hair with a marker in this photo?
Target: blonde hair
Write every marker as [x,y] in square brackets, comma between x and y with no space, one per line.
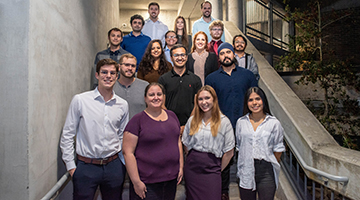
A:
[206,42]
[215,120]
[216,23]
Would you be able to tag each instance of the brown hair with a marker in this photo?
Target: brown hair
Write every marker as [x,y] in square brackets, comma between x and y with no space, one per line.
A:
[184,39]
[106,61]
[127,55]
[215,120]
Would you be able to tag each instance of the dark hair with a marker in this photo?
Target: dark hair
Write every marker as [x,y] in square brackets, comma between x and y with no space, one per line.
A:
[262,95]
[154,84]
[205,3]
[176,46]
[147,61]
[137,17]
[166,35]
[114,29]
[184,38]
[236,36]
[106,61]
[154,4]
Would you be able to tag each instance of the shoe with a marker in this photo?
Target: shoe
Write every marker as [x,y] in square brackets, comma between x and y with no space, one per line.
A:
[225,196]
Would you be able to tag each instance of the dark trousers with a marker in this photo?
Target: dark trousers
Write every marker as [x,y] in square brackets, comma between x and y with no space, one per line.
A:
[225,177]
[157,191]
[109,177]
[265,182]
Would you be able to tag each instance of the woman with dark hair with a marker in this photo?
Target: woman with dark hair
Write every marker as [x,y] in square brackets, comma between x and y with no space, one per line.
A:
[200,61]
[259,137]
[153,150]
[209,139]
[180,30]
[153,63]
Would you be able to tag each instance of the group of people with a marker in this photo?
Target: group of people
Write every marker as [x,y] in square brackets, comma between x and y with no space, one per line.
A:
[167,113]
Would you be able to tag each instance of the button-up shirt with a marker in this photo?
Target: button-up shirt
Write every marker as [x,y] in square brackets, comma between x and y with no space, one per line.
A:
[260,144]
[204,141]
[167,55]
[97,125]
[136,45]
[155,30]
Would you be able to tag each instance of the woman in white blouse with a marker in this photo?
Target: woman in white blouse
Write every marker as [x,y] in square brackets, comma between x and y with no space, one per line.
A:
[259,138]
[209,140]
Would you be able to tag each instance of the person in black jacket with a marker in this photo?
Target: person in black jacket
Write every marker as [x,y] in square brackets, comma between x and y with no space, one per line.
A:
[200,61]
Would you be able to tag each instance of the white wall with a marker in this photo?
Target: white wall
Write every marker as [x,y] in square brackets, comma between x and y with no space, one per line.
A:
[47,53]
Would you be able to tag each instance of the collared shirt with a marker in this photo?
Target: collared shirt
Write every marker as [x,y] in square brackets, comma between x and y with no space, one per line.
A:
[133,94]
[167,55]
[106,54]
[136,45]
[97,125]
[155,30]
[231,90]
[204,141]
[260,144]
[247,61]
[211,46]
[180,92]
[201,25]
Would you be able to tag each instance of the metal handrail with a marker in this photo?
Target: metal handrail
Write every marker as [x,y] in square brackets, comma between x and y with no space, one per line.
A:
[54,192]
[311,169]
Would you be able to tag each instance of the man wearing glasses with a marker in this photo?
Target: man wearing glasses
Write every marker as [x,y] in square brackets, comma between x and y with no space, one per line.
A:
[97,120]
[128,87]
[180,85]
[243,59]
[216,31]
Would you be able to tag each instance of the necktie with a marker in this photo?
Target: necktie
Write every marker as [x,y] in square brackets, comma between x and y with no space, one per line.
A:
[216,47]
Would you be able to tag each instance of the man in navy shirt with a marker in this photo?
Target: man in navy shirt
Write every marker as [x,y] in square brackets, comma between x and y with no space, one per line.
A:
[136,42]
[230,83]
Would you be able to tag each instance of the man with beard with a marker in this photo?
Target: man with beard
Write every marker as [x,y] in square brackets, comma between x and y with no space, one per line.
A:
[244,60]
[203,23]
[136,42]
[114,52]
[153,26]
[216,31]
[180,85]
[128,87]
[230,83]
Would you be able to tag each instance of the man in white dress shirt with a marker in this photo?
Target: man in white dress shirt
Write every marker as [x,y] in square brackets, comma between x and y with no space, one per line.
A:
[97,120]
[153,27]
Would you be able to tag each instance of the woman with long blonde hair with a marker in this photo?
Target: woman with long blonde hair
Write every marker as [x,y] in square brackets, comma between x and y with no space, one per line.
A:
[209,142]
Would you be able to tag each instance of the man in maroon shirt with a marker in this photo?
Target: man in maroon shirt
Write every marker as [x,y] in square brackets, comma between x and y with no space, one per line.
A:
[216,30]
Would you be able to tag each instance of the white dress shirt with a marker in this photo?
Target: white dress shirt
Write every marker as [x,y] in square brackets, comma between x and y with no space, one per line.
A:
[97,125]
[155,30]
[260,144]
[203,140]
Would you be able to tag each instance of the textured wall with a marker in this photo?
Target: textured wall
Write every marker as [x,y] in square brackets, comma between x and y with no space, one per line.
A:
[49,48]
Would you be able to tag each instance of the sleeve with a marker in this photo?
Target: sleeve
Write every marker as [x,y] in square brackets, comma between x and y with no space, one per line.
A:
[198,85]
[237,134]
[122,44]
[134,126]
[254,67]
[67,141]
[185,136]
[278,132]
[223,37]
[124,121]
[229,142]
[208,81]
[194,29]
[214,63]
[254,82]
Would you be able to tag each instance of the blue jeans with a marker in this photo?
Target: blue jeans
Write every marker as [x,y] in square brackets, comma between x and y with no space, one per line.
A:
[109,177]
[157,191]
[265,182]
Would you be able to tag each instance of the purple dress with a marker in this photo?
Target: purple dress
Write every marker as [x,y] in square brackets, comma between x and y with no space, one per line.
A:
[157,152]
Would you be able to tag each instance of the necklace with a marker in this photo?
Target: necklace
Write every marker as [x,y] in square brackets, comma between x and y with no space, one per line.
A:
[259,120]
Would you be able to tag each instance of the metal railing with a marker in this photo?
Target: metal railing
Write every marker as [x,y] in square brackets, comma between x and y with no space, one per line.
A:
[295,165]
[58,187]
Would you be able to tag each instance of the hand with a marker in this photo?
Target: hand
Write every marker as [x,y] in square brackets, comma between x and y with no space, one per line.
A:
[72,171]
[180,176]
[181,130]
[140,189]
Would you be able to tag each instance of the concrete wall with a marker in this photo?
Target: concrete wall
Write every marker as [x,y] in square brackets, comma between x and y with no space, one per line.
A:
[314,144]
[49,48]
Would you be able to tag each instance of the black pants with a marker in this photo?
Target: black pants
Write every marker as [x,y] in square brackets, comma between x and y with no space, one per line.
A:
[225,177]
[157,191]
[265,182]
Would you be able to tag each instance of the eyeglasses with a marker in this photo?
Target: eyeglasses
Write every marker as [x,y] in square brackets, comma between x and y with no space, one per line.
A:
[128,64]
[239,42]
[104,73]
[179,55]
[216,29]
[171,37]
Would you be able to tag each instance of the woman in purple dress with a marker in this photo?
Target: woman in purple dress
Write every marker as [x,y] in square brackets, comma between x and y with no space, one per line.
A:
[209,140]
[153,150]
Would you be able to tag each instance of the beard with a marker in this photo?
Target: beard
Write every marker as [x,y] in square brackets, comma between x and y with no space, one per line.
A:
[126,76]
[227,64]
